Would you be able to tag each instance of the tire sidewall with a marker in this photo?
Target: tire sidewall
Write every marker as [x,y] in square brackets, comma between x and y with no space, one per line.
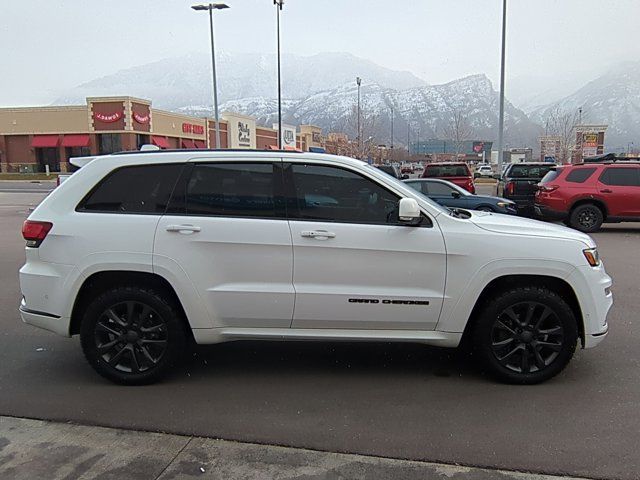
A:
[490,312]
[574,222]
[175,334]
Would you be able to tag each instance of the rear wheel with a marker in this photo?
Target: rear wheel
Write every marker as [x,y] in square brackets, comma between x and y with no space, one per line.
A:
[526,335]
[132,335]
[586,218]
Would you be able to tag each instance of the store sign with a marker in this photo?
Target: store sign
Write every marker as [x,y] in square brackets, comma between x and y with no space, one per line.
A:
[315,137]
[478,147]
[244,134]
[107,117]
[141,118]
[589,144]
[192,128]
[288,135]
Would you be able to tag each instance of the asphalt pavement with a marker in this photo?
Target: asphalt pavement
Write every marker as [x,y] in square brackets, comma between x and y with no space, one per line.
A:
[388,400]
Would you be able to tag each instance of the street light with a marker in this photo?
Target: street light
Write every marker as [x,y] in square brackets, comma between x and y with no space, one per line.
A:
[279,4]
[501,118]
[358,82]
[210,7]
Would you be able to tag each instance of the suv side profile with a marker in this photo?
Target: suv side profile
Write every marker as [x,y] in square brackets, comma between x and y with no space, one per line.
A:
[589,194]
[142,253]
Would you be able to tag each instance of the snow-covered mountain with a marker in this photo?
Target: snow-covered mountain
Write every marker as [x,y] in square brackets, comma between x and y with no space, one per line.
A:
[613,99]
[186,81]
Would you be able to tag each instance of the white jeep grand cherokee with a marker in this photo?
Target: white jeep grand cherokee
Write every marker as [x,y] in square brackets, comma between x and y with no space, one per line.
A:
[140,253]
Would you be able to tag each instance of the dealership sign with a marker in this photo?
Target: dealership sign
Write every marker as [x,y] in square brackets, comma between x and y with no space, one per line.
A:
[107,117]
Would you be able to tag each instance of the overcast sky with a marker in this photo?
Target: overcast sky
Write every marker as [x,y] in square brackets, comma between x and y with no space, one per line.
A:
[48,46]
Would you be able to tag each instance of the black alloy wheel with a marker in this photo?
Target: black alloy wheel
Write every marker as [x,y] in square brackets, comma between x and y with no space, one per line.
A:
[525,335]
[132,335]
[586,218]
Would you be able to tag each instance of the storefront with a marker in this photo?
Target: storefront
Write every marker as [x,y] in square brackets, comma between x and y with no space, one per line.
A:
[39,139]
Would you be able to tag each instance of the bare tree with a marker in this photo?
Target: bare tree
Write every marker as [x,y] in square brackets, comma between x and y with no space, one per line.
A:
[364,147]
[562,125]
[458,130]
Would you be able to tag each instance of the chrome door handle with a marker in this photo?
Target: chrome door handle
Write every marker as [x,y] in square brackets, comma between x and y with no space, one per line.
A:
[317,234]
[182,228]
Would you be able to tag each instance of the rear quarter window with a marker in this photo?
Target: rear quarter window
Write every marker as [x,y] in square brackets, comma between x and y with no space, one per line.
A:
[579,175]
[551,175]
[137,189]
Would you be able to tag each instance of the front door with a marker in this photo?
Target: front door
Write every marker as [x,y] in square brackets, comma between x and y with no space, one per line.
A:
[355,266]
[226,231]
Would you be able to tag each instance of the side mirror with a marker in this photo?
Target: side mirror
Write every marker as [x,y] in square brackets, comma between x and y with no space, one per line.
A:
[455,194]
[409,211]
[404,177]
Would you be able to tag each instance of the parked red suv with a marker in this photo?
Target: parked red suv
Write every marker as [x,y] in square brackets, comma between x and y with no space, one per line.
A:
[455,172]
[587,194]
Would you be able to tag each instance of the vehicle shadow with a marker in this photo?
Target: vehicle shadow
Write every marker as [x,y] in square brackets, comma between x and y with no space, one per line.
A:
[336,358]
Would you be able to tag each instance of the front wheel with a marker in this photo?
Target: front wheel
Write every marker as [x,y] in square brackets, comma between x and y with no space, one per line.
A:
[526,335]
[132,335]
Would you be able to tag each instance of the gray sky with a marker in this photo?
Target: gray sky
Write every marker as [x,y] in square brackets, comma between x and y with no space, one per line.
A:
[49,45]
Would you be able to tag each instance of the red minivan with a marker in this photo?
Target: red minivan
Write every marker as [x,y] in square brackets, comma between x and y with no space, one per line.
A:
[455,172]
[586,195]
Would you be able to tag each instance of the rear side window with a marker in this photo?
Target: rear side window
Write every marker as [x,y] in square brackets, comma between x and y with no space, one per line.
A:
[579,175]
[621,176]
[551,175]
[232,189]
[447,171]
[137,189]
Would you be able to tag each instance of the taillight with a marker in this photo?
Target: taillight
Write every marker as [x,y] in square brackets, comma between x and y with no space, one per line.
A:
[35,232]
[547,188]
[471,186]
[509,188]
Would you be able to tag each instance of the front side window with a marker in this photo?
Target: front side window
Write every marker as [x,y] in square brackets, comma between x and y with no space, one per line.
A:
[621,176]
[334,194]
[437,188]
[231,189]
[137,189]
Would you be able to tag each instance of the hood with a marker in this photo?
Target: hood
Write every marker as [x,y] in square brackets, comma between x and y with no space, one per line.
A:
[512,225]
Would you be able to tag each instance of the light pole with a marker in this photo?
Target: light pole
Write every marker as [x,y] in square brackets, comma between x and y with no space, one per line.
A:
[279,4]
[210,7]
[358,82]
[629,148]
[502,58]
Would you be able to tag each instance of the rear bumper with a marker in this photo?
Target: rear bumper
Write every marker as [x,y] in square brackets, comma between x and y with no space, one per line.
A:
[46,321]
[546,212]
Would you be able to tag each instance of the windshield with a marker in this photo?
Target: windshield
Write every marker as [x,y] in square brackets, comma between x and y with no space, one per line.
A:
[435,205]
[461,170]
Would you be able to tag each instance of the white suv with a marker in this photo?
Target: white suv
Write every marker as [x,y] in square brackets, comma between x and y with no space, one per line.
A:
[140,253]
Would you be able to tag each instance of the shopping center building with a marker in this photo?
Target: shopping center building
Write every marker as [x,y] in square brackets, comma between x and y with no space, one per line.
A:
[37,139]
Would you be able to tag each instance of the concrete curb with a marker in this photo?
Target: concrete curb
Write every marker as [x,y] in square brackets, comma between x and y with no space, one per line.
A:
[32,449]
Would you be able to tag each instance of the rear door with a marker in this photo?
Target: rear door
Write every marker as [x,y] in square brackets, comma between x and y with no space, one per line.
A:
[619,186]
[225,234]
[355,266]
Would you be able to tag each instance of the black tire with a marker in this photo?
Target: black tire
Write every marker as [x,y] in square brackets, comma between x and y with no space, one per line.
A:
[132,335]
[485,208]
[586,217]
[519,322]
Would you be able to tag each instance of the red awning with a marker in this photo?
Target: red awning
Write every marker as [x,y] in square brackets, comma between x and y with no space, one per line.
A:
[45,141]
[186,143]
[81,140]
[199,144]
[161,142]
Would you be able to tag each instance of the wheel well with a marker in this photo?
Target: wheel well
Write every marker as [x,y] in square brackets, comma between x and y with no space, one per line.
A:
[101,281]
[594,201]
[503,283]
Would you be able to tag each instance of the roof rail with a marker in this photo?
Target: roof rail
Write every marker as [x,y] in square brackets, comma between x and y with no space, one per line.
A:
[201,150]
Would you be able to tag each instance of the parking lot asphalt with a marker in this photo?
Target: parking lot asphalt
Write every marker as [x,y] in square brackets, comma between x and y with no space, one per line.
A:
[389,400]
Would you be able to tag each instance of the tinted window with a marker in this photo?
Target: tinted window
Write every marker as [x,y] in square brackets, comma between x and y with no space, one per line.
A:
[624,176]
[579,175]
[529,171]
[140,189]
[231,189]
[447,171]
[551,175]
[419,186]
[336,195]
[436,188]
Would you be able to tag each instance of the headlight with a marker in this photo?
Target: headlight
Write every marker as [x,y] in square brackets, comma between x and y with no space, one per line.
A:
[591,254]
[505,204]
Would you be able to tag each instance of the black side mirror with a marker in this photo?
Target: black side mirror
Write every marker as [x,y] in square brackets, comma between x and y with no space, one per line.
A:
[404,177]
[455,194]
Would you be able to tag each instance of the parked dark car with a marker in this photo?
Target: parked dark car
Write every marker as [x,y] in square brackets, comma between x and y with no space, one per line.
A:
[519,183]
[392,170]
[455,172]
[451,195]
